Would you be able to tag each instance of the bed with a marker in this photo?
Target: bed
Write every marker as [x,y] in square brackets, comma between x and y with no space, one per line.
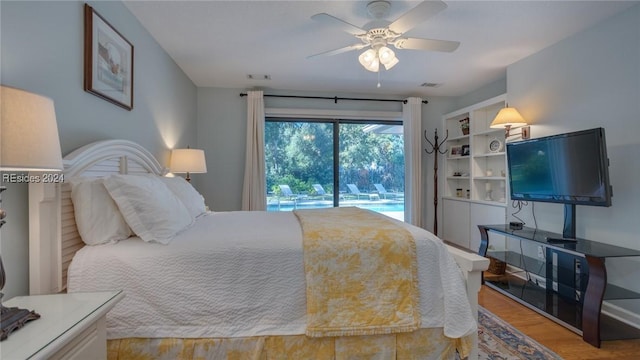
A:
[236,297]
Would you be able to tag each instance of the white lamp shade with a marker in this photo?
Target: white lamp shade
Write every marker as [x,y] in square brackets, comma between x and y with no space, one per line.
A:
[369,59]
[508,117]
[391,63]
[28,133]
[387,57]
[188,161]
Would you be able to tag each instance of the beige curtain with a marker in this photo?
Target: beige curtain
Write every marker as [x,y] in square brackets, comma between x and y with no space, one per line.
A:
[412,123]
[254,195]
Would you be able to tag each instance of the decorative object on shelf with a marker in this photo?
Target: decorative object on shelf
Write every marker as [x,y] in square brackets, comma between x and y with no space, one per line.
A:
[508,117]
[188,161]
[468,194]
[464,151]
[455,150]
[30,142]
[108,61]
[502,190]
[435,148]
[459,192]
[457,173]
[489,172]
[495,145]
[464,125]
[488,192]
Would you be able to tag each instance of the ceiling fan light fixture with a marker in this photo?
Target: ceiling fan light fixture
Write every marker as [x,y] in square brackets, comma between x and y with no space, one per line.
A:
[386,54]
[369,60]
[387,57]
[391,63]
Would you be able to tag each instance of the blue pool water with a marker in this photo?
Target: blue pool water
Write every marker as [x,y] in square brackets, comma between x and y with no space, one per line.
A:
[393,209]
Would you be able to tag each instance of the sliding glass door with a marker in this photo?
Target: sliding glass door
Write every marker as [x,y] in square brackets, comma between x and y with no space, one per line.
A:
[371,167]
[327,163]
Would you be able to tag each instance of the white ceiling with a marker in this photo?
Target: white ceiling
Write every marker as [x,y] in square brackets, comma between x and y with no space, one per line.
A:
[218,43]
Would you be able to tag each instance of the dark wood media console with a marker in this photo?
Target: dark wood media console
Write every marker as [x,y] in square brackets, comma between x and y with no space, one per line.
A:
[575,281]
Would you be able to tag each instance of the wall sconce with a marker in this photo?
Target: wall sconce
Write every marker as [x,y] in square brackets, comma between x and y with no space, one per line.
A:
[509,117]
[29,142]
[188,161]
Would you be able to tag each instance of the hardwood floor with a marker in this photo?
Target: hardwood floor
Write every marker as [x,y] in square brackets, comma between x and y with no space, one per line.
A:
[555,337]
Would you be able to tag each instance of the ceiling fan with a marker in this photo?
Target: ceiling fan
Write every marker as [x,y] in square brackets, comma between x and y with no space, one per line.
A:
[379,33]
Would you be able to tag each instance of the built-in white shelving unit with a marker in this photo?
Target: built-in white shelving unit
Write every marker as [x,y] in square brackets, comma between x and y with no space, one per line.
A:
[475,173]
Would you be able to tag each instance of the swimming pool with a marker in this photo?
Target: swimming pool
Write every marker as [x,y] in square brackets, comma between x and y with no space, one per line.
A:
[394,209]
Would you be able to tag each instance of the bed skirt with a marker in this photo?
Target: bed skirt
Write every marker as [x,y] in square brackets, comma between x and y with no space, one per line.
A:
[424,344]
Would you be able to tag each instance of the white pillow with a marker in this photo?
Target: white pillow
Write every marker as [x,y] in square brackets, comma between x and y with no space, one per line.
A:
[190,197]
[148,206]
[97,216]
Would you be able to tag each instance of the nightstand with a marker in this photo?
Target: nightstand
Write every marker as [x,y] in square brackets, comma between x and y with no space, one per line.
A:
[71,326]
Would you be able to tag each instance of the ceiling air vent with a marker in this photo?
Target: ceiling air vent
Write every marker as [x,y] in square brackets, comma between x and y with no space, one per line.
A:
[258,77]
[430,85]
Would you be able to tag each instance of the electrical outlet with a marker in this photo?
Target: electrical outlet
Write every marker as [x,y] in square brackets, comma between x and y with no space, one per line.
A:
[540,252]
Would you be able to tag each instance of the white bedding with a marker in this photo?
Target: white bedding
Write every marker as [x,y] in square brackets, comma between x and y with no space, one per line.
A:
[238,274]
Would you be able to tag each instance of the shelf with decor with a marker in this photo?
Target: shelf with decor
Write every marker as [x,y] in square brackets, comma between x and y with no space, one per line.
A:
[474,171]
[476,153]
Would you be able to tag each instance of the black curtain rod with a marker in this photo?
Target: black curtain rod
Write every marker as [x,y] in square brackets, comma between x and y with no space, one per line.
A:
[335,98]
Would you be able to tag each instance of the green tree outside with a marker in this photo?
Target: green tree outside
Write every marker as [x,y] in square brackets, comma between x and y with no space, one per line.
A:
[300,154]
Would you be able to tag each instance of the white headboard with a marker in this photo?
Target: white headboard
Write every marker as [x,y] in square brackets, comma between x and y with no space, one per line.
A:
[53,237]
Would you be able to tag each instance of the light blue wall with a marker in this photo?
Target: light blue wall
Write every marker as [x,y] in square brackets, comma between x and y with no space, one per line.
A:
[222,133]
[592,79]
[42,52]
[485,92]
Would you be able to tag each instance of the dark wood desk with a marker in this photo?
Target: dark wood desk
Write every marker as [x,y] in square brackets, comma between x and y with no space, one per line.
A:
[575,283]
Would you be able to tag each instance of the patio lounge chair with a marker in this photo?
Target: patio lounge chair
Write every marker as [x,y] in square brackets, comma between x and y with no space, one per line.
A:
[320,191]
[286,192]
[355,191]
[383,192]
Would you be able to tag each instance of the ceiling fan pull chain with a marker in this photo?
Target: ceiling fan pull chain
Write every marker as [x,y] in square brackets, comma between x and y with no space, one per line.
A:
[378,77]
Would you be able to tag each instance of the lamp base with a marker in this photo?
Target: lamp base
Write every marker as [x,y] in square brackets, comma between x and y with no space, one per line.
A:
[14,318]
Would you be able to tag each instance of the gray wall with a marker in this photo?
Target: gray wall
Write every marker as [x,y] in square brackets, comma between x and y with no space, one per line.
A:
[42,52]
[592,79]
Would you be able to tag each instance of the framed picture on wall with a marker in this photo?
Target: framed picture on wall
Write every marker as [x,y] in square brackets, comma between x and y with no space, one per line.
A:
[108,61]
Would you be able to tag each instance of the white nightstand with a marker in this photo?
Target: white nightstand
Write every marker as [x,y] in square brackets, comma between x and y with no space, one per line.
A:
[71,326]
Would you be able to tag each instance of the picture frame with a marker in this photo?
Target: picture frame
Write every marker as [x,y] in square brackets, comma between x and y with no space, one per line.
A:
[455,150]
[108,61]
[464,151]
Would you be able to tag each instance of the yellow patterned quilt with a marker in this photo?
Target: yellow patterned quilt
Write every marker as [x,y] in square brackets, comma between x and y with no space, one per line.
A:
[361,273]
[423,344]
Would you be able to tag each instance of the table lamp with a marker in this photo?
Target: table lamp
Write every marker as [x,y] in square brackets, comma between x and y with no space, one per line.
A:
[28,142]
[188,161]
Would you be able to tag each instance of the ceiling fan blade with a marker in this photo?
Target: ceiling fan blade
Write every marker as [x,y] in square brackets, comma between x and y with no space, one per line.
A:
[418,14]
[340,51]
[343,25]
[426,44]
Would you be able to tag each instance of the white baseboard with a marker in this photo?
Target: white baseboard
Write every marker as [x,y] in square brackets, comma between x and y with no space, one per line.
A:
[621,314]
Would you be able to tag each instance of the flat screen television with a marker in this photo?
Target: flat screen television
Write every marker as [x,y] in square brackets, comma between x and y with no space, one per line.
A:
[570,168]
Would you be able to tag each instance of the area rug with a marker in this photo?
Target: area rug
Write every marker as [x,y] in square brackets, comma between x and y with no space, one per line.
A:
[499,340]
